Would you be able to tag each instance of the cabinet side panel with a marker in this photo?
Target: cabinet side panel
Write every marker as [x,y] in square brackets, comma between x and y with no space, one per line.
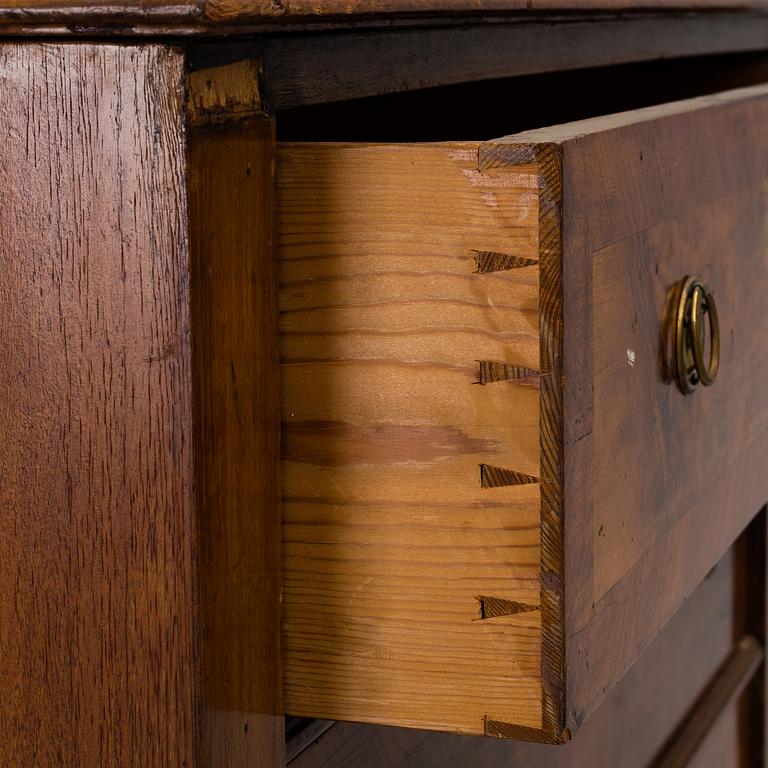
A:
[96,652]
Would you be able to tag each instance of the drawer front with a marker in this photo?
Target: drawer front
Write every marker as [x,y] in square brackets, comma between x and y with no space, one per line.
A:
[657,484]
[493,495]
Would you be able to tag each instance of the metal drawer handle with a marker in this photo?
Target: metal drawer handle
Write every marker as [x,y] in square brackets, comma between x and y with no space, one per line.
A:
[694,301]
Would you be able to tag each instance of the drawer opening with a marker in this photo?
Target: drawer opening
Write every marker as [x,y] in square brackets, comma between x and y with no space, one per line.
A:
[489,109]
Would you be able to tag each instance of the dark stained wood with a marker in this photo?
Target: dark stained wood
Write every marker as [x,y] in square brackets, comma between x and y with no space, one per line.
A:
[318,69]
[231,196]
[217,17]
[687,744]
[232,11]
[720,747]
[548,160]
[657,486]
[96,490]
[750,590]
[625,732]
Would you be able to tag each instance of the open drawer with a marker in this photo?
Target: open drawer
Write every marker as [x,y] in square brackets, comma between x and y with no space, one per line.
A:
[494,492]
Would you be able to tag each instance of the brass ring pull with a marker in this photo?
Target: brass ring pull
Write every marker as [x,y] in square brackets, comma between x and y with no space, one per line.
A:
[694,301]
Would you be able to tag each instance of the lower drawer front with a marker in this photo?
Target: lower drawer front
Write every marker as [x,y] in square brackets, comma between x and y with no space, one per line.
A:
[493,495]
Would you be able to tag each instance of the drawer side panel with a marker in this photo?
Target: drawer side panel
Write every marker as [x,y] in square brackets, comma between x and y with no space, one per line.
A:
[411,376]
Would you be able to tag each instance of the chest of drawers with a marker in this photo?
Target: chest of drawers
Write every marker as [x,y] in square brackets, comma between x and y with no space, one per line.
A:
[318,400]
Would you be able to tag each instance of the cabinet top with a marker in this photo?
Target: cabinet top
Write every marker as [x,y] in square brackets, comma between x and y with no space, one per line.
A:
[201,17]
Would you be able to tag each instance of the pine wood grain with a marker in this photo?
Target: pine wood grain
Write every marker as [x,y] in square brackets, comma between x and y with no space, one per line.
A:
[224,93]
[392,542]
[96,577]
[627,730]
[231,162]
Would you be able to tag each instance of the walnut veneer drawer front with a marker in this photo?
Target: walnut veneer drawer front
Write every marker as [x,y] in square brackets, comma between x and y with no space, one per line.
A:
[493,494]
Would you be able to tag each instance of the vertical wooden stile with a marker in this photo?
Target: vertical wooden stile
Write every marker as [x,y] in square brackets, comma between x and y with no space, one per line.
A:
[234,322]
[96,490]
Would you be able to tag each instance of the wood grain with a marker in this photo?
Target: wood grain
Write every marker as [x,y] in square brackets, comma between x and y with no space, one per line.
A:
[626,731]
[234,301]
[96,577]
[224,93]
[670,215]
[392,544]
[653,487]
[751,588]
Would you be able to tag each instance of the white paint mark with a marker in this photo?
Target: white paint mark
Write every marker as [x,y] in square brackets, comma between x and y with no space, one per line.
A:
[496,181]
[463,154]
[631,357]
[490,199]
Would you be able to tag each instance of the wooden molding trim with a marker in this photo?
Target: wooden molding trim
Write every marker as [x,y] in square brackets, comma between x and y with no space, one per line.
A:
[727,685]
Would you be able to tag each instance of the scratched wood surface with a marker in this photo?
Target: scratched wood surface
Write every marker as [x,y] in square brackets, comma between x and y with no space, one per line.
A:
[96,626]
[409,285]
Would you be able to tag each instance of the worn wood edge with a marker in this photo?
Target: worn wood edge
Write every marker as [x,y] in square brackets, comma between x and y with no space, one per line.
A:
[223,13]
[303,70]
[726,686]
[548,158]
[200,17]
[225,93]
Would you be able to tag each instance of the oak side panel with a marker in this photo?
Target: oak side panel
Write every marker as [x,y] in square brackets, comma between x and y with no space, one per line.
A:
[409,295]
[96,580]
[626,731]
[231,199]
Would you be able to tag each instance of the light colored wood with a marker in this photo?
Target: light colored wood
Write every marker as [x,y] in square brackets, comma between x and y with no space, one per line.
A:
[379,420]
[627,731]
[394,551]
[225,93]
